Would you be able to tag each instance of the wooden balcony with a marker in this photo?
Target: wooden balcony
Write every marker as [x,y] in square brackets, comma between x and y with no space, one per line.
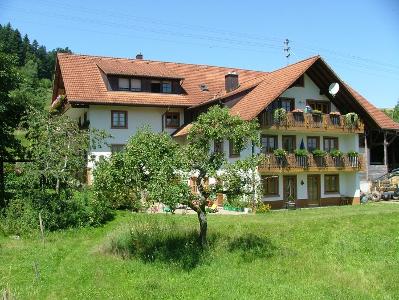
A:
[296,164]
[299,121]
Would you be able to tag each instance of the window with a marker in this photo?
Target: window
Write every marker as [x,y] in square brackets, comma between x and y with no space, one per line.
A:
[135,85]
[323,106]
[300,82]
[331,183]
[313,143]
[232,151]
[289,143]
[166,87]
[270,185]
[269,143]
[172,119]
[287,103]
[117,148]
[218,146]
[155,86]
[193,185]
[362,142]
[118,119]
[330,143]
[123,84]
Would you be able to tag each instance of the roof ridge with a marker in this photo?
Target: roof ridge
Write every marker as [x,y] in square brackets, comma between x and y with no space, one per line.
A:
[158,61]
[298,62]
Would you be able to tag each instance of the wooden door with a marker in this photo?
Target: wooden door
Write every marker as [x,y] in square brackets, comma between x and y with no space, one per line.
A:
[289,188]
[313,190]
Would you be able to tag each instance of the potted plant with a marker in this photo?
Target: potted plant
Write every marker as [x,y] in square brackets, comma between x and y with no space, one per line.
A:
[336,153]
[280,155]
[335,117]
[319,153]
[301,152]
[353,157]
[280,116]
[319,156]
[351,120]
[353,153]
[317,112]
[335,113]
[301,157]
[337,157]
[298,115]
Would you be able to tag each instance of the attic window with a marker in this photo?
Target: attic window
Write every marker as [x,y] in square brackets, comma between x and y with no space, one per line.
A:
[203,87]
[300,82]
[123,84]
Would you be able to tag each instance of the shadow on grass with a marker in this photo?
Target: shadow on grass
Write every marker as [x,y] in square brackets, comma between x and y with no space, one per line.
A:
[252,247]
[178,247]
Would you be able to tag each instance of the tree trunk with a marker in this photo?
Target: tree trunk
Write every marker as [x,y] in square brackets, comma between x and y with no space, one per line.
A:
[203,227]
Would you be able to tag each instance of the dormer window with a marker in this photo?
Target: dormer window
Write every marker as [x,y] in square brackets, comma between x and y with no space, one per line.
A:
[123,84]
[155,86]
[144,84]
[135,85]
[166,87]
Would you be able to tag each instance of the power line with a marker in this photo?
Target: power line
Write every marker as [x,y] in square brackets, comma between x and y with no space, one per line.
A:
[216,40]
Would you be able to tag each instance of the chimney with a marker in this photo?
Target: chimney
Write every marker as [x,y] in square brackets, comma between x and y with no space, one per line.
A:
[139,56]
[231,81]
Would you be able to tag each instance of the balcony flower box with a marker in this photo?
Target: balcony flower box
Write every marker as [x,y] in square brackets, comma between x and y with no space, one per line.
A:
[280,116]
[319,157]
[301,156]
[353,158]
[351,120]
[281,158]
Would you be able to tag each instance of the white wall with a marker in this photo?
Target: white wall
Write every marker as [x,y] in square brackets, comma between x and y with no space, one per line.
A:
[100,118]
[348,186]
[309,92]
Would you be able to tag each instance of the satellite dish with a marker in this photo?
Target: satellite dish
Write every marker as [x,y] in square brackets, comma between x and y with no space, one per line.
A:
[333,89]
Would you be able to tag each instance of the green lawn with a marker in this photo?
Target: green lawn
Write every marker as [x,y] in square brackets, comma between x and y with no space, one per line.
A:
[329,253]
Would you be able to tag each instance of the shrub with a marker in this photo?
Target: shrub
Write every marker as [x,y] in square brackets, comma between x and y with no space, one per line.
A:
[316,112]
[263,208]
[58,211]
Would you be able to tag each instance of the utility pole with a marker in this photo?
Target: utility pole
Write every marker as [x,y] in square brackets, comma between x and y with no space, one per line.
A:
[287,50]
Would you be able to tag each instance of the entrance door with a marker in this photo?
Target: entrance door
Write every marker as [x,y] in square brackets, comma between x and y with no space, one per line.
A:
[289,188]
[313,190]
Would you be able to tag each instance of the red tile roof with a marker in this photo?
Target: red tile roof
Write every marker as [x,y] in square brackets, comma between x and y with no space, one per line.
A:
[271,87]
[376,114]
[85,82]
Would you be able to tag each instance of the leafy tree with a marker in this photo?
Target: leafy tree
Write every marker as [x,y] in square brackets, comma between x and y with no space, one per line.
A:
[11,109]
[395,113]
[58,149]
[238,177]
[153,167]
[146,171]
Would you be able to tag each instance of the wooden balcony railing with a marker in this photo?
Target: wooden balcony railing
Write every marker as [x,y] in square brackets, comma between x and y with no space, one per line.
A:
[309,121]
[293,163]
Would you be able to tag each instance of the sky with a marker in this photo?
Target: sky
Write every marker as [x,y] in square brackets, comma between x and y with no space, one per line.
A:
[358,39]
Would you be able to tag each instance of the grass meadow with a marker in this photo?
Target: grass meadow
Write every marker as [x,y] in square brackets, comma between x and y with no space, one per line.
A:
[349,252]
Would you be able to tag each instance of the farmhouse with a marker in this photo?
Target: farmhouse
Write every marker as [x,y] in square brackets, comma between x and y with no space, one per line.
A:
[334,142]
